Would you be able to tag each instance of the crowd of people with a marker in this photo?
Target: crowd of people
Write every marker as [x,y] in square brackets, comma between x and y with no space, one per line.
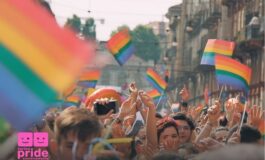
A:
[194,133]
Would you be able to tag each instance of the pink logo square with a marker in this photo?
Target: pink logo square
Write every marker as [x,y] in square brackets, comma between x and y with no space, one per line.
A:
[41,139]
[24,139]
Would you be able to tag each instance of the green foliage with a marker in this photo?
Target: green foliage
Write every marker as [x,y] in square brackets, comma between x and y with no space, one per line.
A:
[74,23]
[147,43]
[119,29]
[89,29]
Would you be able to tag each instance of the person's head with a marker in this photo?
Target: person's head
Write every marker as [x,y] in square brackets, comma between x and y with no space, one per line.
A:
[166,155]
[185,127]
[243,152]
[223,121]
[75,126]
[184,107]
[158,116]
[220,134]
[187,151]
[249,134]
[167,130]
[140,140]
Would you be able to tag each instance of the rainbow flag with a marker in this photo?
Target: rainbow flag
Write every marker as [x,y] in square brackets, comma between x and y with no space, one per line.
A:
[157,82]
[70,90]
[216,47]
[38,60]
[121,47]
[156,96]
[89,79]
[73,100]
[231,72]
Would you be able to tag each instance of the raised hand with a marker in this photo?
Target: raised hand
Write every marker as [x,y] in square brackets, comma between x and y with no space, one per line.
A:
[146,99]
[256,116]
[171,145]
[149,151]
[184,93]
[214,112]
[133,91]
[208,144]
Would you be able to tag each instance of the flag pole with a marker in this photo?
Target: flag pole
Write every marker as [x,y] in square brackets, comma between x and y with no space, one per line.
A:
[243,116]
[221,92]
[160,98]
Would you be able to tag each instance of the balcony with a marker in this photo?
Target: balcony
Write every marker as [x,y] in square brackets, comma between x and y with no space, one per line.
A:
[229,3]
[252,32]
[212,19]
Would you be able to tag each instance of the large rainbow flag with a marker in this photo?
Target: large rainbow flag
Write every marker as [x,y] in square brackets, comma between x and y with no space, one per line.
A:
[216,47]
[157,82]
[89,79]
[38,60]
[121,47]
[231,72]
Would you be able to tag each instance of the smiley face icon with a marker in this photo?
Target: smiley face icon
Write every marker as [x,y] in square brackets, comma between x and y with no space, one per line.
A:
[25,139]
[41,139]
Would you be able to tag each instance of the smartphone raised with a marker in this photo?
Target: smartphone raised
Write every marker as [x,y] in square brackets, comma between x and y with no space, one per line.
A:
[102,109]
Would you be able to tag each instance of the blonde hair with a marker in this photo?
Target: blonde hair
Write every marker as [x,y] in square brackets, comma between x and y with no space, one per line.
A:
[79,121]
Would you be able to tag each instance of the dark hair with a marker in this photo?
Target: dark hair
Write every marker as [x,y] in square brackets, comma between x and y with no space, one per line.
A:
[249,134]
[223,121]
[184,104]
[162,126]
[158,115]
[245,117]
[182,116]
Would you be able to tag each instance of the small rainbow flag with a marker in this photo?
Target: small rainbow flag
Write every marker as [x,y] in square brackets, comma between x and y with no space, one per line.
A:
[120,45]
[72,100]
[89,79]
[157,82]
[214,47]
[156,96]
[69,91]
[38,60]
[231,72]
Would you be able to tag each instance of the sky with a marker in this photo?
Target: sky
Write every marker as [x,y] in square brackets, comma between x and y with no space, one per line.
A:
[114,12]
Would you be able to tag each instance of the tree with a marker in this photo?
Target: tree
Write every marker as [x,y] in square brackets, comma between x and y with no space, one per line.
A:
[88,29]
[74,23]
[120,28]
[146,43]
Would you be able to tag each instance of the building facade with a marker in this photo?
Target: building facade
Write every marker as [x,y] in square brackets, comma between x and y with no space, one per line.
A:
[241,21]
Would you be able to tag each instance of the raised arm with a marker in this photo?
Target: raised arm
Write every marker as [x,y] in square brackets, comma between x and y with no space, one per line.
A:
[151,131]
[213,115]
